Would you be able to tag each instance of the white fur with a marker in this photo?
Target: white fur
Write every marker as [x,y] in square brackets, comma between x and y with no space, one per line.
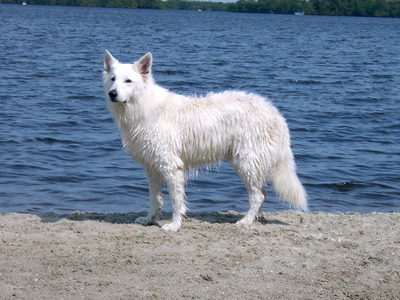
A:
[168,133]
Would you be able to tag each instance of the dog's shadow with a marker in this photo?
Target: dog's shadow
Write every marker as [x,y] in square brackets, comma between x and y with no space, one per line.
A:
[129,218]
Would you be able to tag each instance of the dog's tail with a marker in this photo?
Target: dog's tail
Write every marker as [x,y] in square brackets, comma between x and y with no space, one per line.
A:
[286,183]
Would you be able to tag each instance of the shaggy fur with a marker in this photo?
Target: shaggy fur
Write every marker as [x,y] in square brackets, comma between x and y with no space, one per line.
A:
[168,133]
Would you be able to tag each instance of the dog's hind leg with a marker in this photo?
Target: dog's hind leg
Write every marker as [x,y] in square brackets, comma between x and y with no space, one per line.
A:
[256,199]
[156,200]
[176,187]
[251,177]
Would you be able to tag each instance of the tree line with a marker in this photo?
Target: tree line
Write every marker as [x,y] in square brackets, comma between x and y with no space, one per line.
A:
[362,8]
[370,8]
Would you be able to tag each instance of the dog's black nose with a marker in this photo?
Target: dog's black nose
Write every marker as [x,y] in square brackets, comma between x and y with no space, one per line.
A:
[113,94]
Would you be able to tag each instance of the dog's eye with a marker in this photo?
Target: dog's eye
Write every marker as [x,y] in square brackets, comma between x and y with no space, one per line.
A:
[128,81]
[113,78]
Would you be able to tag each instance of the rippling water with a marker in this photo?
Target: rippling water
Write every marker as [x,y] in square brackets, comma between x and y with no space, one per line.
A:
[335,79]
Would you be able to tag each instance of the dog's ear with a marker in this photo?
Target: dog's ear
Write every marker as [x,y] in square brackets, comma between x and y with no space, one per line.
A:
[144,64]
[109,60]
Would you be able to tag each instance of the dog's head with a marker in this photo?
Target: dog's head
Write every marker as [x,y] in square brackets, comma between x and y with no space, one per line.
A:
[124,82]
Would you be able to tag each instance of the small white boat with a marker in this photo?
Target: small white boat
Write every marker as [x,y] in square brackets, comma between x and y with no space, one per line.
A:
[299,13]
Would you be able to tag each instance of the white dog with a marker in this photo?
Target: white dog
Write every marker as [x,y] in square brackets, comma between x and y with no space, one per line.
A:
[169,133]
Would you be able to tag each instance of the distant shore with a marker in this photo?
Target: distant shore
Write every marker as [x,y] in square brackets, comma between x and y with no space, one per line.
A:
[383,8]
[285,255]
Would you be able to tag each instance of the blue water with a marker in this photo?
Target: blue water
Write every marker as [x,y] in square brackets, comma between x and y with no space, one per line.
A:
[335,79]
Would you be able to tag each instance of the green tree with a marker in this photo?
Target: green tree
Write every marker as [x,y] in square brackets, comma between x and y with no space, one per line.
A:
[321,7]
[381,8]
[308,8]
[149,4]
[122,3]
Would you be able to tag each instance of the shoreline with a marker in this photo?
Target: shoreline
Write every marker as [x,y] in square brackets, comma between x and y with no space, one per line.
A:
[285,255]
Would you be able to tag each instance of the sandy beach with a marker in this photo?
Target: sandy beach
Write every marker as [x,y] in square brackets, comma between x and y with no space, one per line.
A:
[285,255]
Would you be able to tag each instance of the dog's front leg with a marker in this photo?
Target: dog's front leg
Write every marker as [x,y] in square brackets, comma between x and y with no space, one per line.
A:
[156,200]
[176,187]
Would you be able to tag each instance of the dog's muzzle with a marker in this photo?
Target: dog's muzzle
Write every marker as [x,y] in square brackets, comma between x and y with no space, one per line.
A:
[113,94]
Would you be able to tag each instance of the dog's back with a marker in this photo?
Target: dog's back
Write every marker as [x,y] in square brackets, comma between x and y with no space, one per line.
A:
[220,126]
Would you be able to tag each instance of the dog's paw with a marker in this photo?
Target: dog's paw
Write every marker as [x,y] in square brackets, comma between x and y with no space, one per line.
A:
[144,221]
[173,226]
[244,223]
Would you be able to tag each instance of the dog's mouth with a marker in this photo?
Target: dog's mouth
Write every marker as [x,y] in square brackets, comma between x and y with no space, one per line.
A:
[117,101]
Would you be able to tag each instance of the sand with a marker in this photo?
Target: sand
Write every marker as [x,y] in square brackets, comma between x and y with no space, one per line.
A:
[285,255]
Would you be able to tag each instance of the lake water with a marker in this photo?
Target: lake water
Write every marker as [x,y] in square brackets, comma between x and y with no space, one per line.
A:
[335,79]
